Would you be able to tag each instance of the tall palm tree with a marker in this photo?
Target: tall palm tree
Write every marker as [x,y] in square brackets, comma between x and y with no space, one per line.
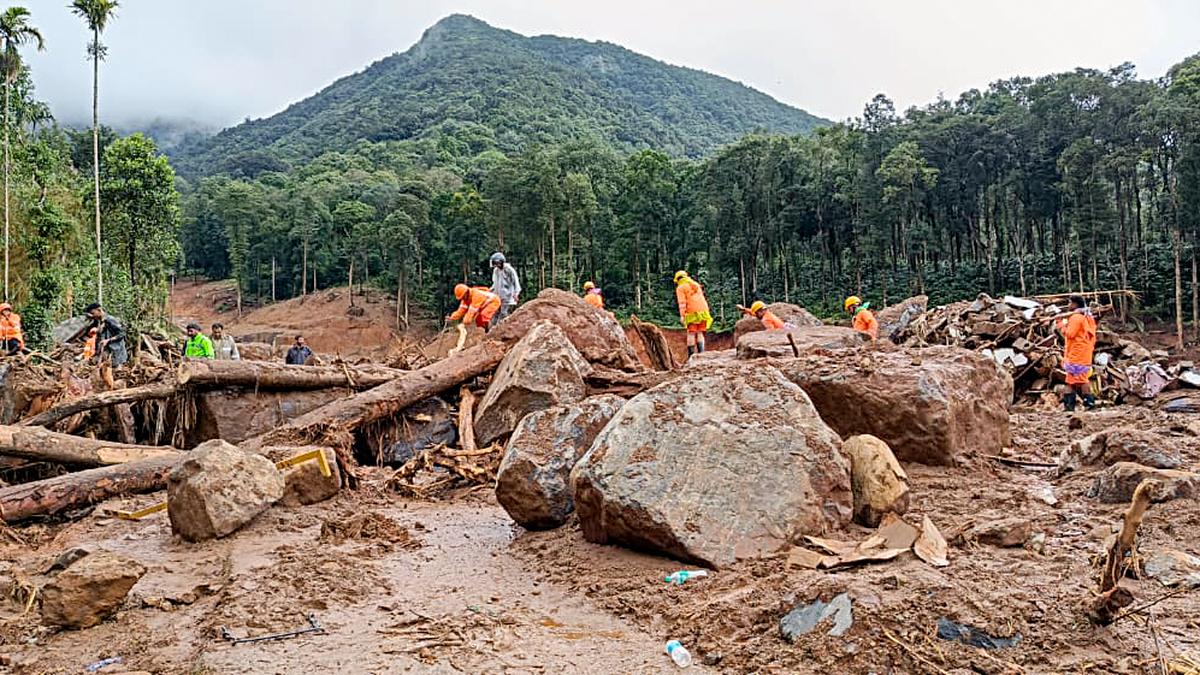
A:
[96,14]
[15,31]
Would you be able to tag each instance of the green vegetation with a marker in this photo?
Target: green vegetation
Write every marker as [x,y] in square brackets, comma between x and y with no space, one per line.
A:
[471,88]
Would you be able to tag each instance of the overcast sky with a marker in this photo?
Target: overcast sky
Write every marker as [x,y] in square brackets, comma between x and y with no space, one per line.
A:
[221,61]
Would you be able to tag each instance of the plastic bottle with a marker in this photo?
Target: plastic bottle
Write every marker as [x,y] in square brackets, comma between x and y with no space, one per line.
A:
[681,576]
[679,654]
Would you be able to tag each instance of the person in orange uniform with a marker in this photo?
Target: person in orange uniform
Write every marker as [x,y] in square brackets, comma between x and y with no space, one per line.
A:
[12,338]
[592,295]
[1079,330]
[477,305]
[864,318]
[759,311]
[89,345]
[693,311]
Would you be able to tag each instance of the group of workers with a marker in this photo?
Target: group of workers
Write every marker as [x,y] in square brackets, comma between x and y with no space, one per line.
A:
[223,347]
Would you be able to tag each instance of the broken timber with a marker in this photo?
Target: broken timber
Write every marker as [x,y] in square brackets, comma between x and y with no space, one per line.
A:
[43,445]
[334,423]
[264,375]
[81,489]
[100,400]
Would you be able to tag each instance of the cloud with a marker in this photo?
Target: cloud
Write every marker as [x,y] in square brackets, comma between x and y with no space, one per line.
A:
[221,61]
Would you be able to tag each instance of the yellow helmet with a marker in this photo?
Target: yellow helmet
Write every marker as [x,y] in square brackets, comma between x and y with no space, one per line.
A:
[680,276]
[587,285]
[852,301]
[757,306]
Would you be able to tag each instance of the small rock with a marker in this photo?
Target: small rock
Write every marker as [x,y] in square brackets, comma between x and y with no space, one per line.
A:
[1172,568]
[218,489]
[1004,533]
[1116,484]
[1076,422]
[876,479]
[91,589]
[805,617]
[1122,444]
[67,558]
[304,483]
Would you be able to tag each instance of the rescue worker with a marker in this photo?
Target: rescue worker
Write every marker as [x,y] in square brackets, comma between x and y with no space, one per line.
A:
[89,345]
[758,309]
[110,335]
[505,284]
[693,311]
[1079,331]
[224,346]
[299,354]
[864,318]
[198,346]
[476,305]
[12,338]
[592,295]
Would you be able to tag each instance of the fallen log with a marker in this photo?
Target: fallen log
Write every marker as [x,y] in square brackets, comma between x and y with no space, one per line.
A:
[333,424]
[266,375]
[1118,558]
[77,490]
[43,445]
[466,420]
[100,400]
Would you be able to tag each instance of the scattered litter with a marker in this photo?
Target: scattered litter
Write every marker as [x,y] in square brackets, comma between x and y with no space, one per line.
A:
[805,617]
[968,635]
[103,663]
[1046,494]
[679,654]
[314,626]
[678,578]
[931,545]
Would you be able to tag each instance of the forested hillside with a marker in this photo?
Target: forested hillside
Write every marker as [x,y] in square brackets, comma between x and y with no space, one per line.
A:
[1086,179]
[469,86]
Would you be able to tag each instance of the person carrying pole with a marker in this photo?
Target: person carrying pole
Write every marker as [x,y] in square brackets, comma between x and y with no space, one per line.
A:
[864,318]
[693,311]
[1079,331]
[475,305]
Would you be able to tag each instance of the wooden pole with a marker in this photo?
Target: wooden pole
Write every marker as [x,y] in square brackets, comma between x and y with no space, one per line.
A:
[100,400]
[43,445]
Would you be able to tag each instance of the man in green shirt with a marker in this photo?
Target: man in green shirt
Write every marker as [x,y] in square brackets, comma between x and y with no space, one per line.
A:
[198,345]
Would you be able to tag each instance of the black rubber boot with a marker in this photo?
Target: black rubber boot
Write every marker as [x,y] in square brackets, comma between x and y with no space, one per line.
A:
[699,347]
[1069,402]
[691,350]
[1089,401]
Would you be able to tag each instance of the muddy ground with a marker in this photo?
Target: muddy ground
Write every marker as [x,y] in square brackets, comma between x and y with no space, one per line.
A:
[455,586]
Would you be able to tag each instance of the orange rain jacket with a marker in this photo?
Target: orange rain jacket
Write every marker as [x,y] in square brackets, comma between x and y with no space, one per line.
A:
[771,321]
[477,305]
[1080,332]
[10,329]
[693,307]
[594,299]
[865,322]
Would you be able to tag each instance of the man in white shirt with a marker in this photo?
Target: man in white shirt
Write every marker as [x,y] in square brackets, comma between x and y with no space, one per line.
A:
[224,345]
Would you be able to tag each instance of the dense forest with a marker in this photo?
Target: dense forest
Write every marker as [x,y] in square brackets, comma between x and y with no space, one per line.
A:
[1086,179]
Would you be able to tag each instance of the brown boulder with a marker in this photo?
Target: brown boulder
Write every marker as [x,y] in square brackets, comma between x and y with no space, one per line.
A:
[876,479]
[895,319]
[775,342]
[235,415]
[729,462]
[595,333]
[218,489]
[304,483]
[90,590]
[1002,532]
[929,405]
[1121,444]
[533,483]
[542,370]
[1116,484]
[787,312]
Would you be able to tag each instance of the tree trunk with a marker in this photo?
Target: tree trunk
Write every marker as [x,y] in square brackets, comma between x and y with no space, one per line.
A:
[7,89]
[1175,236]
[43,445]
[84,488]
[207,374]
[272,278]
[96,162]
[335,422]
[100,400]
[304,270]
[466,420]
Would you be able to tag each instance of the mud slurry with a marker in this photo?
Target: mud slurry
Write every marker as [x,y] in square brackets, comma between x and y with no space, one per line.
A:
[454,586]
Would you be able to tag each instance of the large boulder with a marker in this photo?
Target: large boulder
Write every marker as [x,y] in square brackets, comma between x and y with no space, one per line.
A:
[876,479]
[218,489]
[89,590]
[1120,444]
[594,332]
[1117,483]
[533,483]
[726,463]
[760,344]
[894,320]
[787,312]
[929,405]
[543,369]
[239,414]
[420,427]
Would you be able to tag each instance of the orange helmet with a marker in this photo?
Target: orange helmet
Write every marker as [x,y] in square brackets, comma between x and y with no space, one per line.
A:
[4,306]
[587,285]
[460,290]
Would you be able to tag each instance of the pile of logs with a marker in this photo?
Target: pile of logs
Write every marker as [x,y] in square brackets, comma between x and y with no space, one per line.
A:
[1020,335]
